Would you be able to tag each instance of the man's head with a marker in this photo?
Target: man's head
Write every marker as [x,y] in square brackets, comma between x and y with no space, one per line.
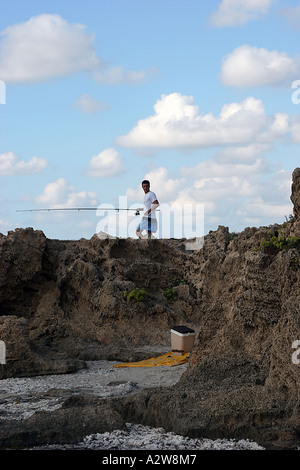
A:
[146,186]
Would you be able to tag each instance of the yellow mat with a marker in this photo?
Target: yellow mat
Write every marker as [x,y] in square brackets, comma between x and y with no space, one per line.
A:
[168,359]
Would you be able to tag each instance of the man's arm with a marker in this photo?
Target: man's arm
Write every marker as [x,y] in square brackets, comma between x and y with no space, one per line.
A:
[154,206]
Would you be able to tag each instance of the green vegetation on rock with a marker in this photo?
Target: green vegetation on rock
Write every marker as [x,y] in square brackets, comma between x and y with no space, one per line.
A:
[136,295]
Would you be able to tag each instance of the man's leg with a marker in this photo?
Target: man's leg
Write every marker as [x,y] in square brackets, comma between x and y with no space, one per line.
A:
[152,226]
[150,235]
[139,233]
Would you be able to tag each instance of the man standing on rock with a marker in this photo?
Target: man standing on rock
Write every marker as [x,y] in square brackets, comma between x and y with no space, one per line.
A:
[148,222]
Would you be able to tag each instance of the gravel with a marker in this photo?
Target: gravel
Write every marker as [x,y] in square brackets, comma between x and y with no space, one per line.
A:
[138,437]
[22,397]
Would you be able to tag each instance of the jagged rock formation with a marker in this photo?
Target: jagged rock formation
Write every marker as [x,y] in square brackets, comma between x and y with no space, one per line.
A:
[62,302]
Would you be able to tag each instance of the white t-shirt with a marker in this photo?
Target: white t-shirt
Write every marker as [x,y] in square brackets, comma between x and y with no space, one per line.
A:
[149,198]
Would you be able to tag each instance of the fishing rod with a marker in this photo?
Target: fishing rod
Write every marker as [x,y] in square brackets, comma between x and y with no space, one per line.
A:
[137,211]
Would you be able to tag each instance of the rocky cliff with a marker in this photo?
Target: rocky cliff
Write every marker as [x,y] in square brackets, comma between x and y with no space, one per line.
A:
[65,302]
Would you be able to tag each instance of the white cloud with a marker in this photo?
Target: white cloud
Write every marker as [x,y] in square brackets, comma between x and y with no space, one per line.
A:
[60,194]
[241,154]
[258,209]
[117,75]
[107,163]
[239,12]
[159,182]
[236,194]
[293,16]
[210,182]
[10,164]
[178,123]
[47,46]
[216,169]
[219,186]
[235,191]
[90,105]
[252,66]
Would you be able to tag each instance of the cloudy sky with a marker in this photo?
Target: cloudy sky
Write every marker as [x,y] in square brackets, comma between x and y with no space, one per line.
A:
[201,98]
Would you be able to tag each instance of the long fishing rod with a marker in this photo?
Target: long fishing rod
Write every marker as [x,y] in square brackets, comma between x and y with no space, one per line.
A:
[137,211]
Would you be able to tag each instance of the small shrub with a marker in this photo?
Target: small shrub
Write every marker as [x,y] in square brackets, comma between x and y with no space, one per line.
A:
[171,294]
[279,243]
[136,295]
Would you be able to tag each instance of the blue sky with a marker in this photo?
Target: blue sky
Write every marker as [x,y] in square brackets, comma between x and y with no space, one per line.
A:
[196,96]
